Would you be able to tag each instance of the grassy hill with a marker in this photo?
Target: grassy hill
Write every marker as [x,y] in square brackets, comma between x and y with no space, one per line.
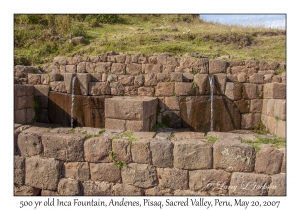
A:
[39,38]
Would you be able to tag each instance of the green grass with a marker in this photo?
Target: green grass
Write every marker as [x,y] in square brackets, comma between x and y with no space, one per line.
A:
[278,142]
[211,139]
[39,38]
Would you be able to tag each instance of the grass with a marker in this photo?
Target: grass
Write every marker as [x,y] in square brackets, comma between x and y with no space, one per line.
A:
[119,164]
[211,139]
[39,38]
[278,142]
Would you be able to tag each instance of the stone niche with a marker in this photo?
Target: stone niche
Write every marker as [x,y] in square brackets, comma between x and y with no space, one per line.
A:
[196,113]
[88,111]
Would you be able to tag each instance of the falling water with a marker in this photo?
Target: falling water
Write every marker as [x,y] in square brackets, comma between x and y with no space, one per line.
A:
[211,84]
[73,82]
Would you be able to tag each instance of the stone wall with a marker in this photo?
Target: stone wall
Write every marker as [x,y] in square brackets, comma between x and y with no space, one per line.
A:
[248,85]
[88,161]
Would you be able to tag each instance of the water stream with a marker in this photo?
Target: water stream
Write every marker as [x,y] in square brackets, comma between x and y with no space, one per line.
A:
[72,104]
[211,84]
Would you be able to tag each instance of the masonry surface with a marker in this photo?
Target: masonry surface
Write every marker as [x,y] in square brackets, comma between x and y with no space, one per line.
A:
[120,92]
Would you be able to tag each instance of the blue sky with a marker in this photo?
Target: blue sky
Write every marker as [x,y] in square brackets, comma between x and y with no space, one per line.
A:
[265,20]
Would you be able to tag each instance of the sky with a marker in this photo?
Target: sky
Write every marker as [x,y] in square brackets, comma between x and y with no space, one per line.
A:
[265,20]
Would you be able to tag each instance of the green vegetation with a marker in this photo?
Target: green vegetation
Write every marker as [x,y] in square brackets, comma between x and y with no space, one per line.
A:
[157,126]
[72,131]
[278,142]
[39,38]
[211,139]
[119,164]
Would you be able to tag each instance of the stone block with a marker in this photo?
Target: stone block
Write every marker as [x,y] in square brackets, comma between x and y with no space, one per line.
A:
[97,188]
[66,147]
[84,80]
[103,67]
[58,86]
[26,191]
[184,88]
[167,69]
[24,102]
[20,116]
[127,190]
[280,109]
[249,184]
[213,182]
[139,175]
[151,68]
[30,115]
[283,166]
[256,105]
[201,66]
[96,77]
[236,63]
[164,89]
[117,89]
[219,84]
[49,193]
[99,88]
[176,77]
[250,120]
[131,91]
[242,77]
[276,79]
[172,103]
[130,108]
[29,144]
[68,187]
[121,149]
[140,150]
[163,77]
[158,191]
[34,79]
[234,91]
[161,151]
[23,90]
[202,82]
[134,69]
[232,155]
[118,68]
[193,154]
[268,78]
[256,78]
[71,68]
[173,178]
[217,66]
[126,80]
[81,67]
[107,172]
[278,185]
[42,173]
[270,107]
[19,170]
[150,80]
[139,81]
[77,170]
[188,135]
[271,124]
[268,161]
[275,90]
[60,60]
[112,78]
[187,62]
[249,91]
[243,105]
[115,124]
[41,90]
[120,58]
[21,71]
[281,129]
[90,67]
[187,77]
[97,149]
[138,126]
[146,91]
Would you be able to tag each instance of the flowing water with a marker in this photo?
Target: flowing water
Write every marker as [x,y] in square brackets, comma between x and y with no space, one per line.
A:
[72,103]
[211,84]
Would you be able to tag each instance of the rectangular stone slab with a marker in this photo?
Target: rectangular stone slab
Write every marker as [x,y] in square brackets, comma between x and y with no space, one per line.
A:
[130,108]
